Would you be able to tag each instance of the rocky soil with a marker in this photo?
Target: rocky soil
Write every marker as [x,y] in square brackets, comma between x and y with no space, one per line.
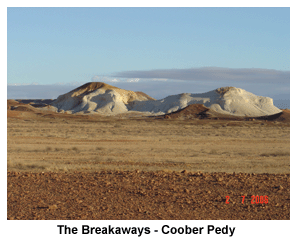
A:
[140,195]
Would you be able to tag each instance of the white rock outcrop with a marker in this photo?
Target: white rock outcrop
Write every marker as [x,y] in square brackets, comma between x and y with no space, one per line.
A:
[97,97]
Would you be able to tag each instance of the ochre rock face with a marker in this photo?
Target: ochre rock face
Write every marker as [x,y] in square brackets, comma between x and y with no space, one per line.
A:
[127,95]
[224,90]
[88,87]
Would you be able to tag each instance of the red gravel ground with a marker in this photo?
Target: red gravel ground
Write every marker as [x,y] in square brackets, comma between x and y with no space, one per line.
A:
[136,195]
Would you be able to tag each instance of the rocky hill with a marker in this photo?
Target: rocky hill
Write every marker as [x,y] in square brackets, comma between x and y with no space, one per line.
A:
[98,97]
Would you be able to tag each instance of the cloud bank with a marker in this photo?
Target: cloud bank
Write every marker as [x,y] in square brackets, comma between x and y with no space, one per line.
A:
[31,91]
[211,74]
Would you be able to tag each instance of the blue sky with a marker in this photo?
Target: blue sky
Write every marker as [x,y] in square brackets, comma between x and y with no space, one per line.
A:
[160,50]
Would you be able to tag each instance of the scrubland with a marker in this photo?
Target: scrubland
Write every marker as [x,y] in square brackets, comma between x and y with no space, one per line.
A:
[50,143]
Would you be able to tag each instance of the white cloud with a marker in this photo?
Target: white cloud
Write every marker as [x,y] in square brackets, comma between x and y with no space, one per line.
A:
[133,80]
[99,78]
[159,79]
[113,80]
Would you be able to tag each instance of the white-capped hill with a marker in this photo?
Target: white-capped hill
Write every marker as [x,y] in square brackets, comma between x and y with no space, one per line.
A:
[97,97]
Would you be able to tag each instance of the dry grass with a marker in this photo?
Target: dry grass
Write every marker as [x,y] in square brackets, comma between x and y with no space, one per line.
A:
[122,144]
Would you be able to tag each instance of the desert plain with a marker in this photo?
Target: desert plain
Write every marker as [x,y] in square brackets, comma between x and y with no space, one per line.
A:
[74,166]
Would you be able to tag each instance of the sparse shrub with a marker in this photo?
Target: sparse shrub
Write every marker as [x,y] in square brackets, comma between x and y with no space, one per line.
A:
[35,166]
[49,148]
[75,149]
[100,148]
[213,151]
[195,155]
[281,153]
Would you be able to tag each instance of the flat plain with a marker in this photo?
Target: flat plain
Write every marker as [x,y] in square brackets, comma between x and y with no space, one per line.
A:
[137,160]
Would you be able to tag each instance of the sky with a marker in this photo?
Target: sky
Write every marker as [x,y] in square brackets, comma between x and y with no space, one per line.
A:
[160,51]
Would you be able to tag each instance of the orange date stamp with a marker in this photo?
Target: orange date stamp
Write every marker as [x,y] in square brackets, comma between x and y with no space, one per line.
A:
[254,199]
